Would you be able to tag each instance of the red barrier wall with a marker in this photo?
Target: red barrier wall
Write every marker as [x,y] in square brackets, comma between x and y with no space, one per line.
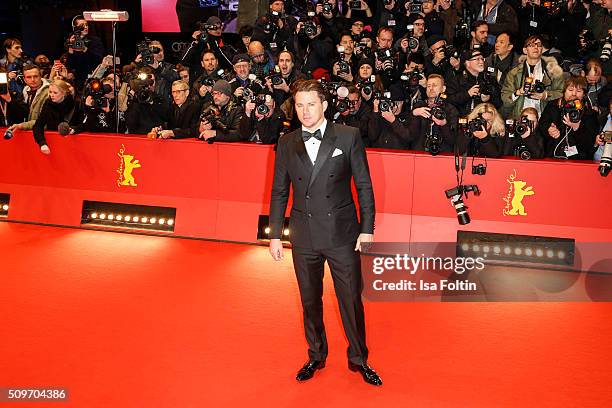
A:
[219,190]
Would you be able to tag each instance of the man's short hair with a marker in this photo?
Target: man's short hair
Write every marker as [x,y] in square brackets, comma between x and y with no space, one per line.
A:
[576,81]
[180,82]
[28,67]
[181,68]
[436,76]
[477,24]
[532,39]
[511,37]
[383,29]
[352,89]
[416,57]
[207,51]
[309,85]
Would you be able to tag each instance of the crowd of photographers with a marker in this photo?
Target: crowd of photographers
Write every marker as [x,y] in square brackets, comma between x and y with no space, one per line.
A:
[484,78]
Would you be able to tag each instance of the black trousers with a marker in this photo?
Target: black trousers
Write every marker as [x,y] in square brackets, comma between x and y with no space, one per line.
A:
[345,265]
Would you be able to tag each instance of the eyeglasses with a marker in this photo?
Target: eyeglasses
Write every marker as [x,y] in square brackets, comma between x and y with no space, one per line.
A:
[535,45]
[358,24]
[175,91]
[478,58]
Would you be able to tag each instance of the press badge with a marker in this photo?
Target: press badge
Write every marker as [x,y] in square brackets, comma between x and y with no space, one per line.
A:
[533,24]
[391,23]
[570,151]
[272,45]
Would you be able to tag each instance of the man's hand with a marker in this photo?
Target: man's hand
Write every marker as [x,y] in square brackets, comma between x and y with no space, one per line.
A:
[539,96]
[276,249]
[166,134]
[424,112]
[208,134]
[363,238]
[249,107]
[439,122]
[204,89]
[388,116]
[569,124]
[14,127]
[481,134]
[553,131]
[474,91]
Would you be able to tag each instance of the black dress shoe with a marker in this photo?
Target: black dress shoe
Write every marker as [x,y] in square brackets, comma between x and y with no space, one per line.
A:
[367,372]
[309,369]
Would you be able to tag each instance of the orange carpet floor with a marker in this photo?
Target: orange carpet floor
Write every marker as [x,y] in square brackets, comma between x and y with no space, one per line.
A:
[138,321]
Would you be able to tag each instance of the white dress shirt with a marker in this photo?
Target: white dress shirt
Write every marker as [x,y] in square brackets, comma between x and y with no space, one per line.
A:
[312,145]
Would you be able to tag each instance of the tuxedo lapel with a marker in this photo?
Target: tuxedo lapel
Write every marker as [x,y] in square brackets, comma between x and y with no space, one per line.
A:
[325,150]
[300,149]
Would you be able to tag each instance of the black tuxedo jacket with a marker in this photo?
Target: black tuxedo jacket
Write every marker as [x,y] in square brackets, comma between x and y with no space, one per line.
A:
[323,213]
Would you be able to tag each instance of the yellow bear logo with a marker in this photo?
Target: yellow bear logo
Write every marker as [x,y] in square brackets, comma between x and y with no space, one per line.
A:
[517,201]
[129,165]
[126,166]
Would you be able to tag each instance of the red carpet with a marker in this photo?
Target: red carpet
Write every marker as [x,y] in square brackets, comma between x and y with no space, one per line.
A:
[134,321]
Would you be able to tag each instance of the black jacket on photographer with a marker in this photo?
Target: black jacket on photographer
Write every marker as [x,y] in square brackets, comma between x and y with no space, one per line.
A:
[143,116]
[15,111]
[96,120]
[197,84]
[165,75]
[185,119]
[534,143]
[267,31]
[192,57]
[457,92]
[228,124]
[52,114]
[360,120]
[311,54]
[265,130]
[421,128]
[281,96]
[532,19]
[583,138]
[490,146]
[388,135]
[84,62]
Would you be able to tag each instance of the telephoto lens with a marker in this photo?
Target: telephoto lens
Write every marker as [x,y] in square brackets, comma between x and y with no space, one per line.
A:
[606,160]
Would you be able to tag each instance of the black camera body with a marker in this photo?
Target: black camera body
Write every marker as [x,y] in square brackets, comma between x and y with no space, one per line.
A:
[366,85]
[573,110]
[437,111]
[260,105]
[433,143]
[479,169]
[79,43]
[522,152]
[474,125]
[141,83]
[309,29]
[328,8]
[204,28]
[531,86]
[385,104]
[456,196]
[412,79]
[487,83]
[415,7]
[276,78]
[147,51]
[342,105]
[450,51]
[355,5]
[97,90]
[523,125]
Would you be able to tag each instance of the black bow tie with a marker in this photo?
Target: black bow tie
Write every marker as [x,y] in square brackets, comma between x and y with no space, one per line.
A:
[307,135]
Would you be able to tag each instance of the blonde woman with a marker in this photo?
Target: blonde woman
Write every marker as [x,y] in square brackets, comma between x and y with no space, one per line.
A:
[488,139]
[59,108]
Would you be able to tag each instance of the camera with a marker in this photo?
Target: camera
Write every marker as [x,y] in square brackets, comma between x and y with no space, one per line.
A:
[327,7]
[309,28]
[141,83]
[437,110]
[211,114]
[147,51]
[362,49]
[474,125]
[573,110]
[487,83]
[606,158]
[456,197]
[203,28]
[450,51]
[78,43]
[432,143]
[343,105]
[522,152]
[385,56]
[385,104]
[260,105]
[355,5]
[411,79]
[521,127]
[367,85]
[343,66]
[96,89]
[413,42]
[606,50]
[532,85]
[479,169]
[415,7]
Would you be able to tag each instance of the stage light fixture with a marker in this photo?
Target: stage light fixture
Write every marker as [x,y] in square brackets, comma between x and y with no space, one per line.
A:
[263,229]
[4,204]
[142,217]
[5,207]
[267,230]
[286,232]
[517,249]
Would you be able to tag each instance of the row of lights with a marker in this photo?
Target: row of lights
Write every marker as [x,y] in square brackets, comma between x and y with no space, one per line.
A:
[518,251]
[5,207]
[128,218]
[285,231]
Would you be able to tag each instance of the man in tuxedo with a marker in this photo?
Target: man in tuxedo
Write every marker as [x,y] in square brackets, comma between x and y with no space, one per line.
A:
[319,160]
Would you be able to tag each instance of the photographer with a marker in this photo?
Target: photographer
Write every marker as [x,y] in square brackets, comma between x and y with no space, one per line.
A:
[541,77]
[532,18]
[282,92]
[442,59]
[12,107]
[598,88]
[474,85]
[203,84]
[414,81]
[504,58]
[391,14]
[146,110]
[414,39]
[386,59]
[84,51]
[310,47]
[35,94]
[329,17]
[357,114]
[184,115]
[345,51]
[274,28]
[479,31]
[433,22]
[242,68]
[568,125]
[525,140]
[99,109]
[434,124]
[227,114]
[363,80]
[165,74]
[262,121]
[262,62]
[59,109]
[389,127]
[208,37]
[12,63]
[484,133]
